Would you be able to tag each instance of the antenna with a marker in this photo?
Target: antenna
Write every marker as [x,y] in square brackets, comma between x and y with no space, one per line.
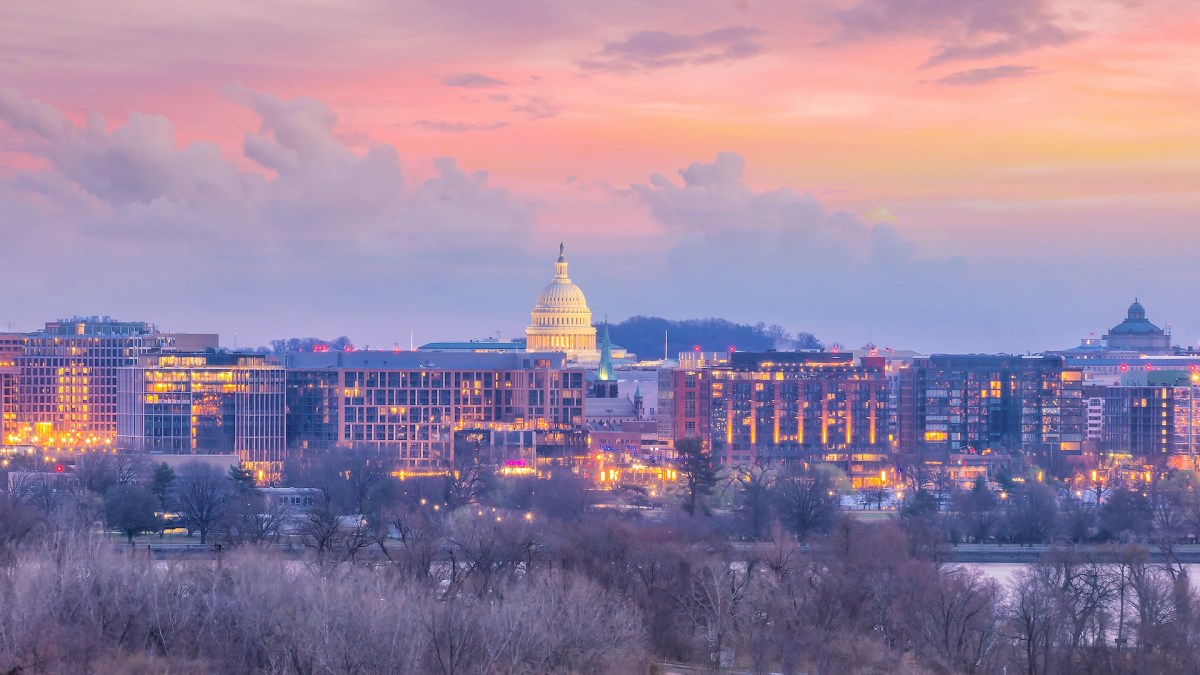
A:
[664,344]
[410,341]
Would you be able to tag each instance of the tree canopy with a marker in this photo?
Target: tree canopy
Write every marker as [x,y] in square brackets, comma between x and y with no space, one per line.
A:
[643,335]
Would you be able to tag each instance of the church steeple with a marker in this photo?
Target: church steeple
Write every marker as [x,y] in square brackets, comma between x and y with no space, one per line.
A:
[605,372]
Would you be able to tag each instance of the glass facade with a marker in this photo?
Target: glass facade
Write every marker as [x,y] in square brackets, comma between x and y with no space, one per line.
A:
[952,403]
[67,380]
[1152,413]
[412,410]
[205,404]
[1139,420]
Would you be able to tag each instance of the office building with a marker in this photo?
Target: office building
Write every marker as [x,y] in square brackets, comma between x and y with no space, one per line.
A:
[1152,414]
[977,403]
[11,348]
[204,404]
[412,405]
[67,379]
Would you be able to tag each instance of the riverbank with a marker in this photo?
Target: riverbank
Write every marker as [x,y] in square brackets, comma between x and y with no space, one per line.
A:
[1031,553]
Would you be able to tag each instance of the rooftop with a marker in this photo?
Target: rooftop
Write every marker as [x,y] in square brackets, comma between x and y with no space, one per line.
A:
[392,360]
[489,344]
[1135,323]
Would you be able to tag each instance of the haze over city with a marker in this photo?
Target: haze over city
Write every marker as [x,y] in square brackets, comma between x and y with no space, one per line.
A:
[965,176]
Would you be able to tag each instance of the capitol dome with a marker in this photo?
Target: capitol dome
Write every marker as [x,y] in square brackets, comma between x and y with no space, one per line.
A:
[561,295]
[562,321]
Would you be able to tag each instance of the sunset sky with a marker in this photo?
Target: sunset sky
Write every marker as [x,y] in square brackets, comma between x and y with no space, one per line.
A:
[939,175]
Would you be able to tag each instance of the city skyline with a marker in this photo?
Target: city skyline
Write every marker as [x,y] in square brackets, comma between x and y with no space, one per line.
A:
[926,179]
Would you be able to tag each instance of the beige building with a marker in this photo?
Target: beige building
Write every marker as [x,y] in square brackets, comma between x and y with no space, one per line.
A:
[562,321]
[66,388]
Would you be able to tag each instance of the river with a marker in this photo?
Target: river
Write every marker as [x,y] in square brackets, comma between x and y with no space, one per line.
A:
[1006,572]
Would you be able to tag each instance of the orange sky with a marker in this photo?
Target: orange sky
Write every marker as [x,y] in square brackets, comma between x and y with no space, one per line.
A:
[1056,140]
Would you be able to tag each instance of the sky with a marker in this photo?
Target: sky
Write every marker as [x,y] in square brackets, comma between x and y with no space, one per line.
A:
[937,175]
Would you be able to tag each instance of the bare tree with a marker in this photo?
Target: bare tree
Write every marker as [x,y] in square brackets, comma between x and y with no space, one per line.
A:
[452,633]
[753,500]
[1032,622]
[1032,513]
[716,605]
[977,508]
[365,470]
[465,485]
[254,519]
[959,619]
[203,494]
[698,471]
[17,522]
[808,501]
[130,510]
[419,530]
[319,526]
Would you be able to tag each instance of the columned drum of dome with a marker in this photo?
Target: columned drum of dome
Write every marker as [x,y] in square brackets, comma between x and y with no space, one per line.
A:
[562,321]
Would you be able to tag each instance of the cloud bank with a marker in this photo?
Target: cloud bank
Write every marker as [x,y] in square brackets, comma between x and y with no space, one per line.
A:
[965,29]
[651,50]
[303,215]
[730,243]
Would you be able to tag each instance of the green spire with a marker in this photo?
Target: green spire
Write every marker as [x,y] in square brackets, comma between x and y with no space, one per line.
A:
[606,368]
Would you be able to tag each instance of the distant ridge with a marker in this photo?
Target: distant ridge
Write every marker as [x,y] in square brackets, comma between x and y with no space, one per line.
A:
[643,335]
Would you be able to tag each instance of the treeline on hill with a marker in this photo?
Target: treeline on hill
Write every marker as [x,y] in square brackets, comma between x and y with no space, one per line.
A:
[643,335]
[308,344]
[473,572]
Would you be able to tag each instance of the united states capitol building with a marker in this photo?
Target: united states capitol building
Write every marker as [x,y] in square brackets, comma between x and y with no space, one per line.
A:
[561,323]
[561,319]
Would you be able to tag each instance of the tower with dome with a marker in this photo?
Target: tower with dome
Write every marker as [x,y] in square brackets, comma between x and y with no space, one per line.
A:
[561,320]
[1137,334]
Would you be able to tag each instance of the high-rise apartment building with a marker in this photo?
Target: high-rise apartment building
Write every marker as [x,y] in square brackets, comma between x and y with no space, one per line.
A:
[412,404]
[782,407]
[67,378]
[964,403]
[1153,414]
[204,403]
